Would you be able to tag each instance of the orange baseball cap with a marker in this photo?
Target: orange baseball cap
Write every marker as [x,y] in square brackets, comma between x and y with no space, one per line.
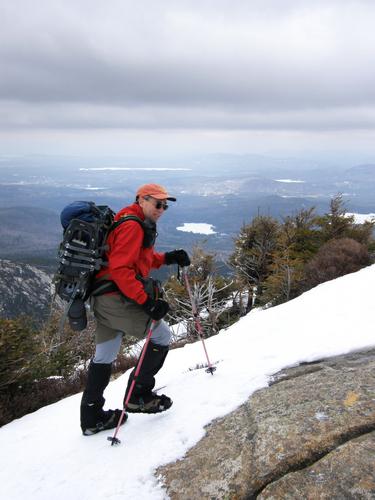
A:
[156,191]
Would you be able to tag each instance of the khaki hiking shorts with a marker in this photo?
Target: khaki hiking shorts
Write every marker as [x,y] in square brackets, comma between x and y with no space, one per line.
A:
[114,314]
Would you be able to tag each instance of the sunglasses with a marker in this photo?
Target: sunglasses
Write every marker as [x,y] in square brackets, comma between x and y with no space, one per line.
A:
[157,203]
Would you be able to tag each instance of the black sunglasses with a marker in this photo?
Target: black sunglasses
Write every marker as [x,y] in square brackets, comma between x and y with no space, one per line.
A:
[158,204]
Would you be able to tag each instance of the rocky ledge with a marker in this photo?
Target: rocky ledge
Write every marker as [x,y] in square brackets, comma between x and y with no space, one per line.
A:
[310,434]
[24,290]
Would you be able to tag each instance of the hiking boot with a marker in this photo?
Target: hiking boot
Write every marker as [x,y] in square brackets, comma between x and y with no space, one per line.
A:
[149,402]
[94,421]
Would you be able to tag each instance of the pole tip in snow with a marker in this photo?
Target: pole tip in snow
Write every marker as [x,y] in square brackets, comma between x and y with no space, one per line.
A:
[114,440]
[211,369]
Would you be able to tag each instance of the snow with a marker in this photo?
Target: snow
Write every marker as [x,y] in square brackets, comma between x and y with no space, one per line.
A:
[290,181]
[44,455]
[197,227]
[361,218]
[161,169]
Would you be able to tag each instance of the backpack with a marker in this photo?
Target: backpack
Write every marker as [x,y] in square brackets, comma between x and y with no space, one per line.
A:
[82,254]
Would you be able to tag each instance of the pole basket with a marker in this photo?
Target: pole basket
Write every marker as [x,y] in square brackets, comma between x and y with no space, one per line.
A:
[114,440]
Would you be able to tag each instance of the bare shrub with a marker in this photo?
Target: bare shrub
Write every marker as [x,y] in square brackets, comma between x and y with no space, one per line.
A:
[335,258]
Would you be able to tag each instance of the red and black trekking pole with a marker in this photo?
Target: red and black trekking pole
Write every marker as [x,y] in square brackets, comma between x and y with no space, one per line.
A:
[197,322]
[114,439]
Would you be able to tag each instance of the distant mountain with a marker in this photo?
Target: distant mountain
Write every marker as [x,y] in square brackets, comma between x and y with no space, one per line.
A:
[28,230]
[25,290]
[223,190]
[362,172]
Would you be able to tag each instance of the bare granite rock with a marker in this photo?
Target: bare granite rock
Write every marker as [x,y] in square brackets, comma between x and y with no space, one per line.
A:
[24,290]
[298,421]
[346,472]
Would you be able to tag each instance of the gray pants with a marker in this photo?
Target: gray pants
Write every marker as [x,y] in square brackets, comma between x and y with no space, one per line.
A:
[115,317]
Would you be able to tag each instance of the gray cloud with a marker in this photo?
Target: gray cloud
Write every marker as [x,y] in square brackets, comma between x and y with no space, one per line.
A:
[209,64]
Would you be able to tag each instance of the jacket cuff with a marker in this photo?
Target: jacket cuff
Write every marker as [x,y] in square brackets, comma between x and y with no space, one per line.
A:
[144,301]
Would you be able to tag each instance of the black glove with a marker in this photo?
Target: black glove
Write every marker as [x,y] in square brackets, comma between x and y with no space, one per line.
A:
[179,257]
[156,309]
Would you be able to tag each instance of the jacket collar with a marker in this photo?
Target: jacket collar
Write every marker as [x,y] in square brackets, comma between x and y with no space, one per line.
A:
[133,209]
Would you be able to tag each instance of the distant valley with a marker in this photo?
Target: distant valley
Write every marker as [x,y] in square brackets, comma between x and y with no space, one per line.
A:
[223,191]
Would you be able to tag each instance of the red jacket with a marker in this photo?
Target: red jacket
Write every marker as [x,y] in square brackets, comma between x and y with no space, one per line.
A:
[127,258]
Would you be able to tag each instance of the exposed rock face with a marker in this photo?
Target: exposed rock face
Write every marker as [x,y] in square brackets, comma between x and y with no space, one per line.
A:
[346,472]
[24,289]
[309,435]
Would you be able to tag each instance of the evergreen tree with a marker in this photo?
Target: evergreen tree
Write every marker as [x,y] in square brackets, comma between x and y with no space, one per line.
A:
[284,281]
[336,224]
[253,254]
[300,234]
[276,261]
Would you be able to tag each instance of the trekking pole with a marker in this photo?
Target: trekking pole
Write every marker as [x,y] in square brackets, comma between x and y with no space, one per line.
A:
[114,439]
[197,321]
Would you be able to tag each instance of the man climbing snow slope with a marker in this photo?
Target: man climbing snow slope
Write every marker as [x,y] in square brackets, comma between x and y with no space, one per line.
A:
[125,300]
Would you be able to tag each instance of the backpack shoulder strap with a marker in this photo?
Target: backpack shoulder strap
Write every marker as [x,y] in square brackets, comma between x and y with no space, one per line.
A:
[125,218]
[149,229]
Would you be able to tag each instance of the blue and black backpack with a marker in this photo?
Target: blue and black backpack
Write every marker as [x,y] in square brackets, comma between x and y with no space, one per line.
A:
[82,254]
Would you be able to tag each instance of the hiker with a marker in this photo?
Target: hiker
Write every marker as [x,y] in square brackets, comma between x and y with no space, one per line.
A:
[131,301]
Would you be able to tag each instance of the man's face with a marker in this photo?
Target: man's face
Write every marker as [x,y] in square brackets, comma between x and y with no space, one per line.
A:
[153,208]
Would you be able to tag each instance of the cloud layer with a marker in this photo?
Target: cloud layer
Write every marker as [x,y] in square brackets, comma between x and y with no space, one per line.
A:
[211,65]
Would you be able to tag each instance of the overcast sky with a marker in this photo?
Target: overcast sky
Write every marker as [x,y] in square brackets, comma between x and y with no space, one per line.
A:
[180,76]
